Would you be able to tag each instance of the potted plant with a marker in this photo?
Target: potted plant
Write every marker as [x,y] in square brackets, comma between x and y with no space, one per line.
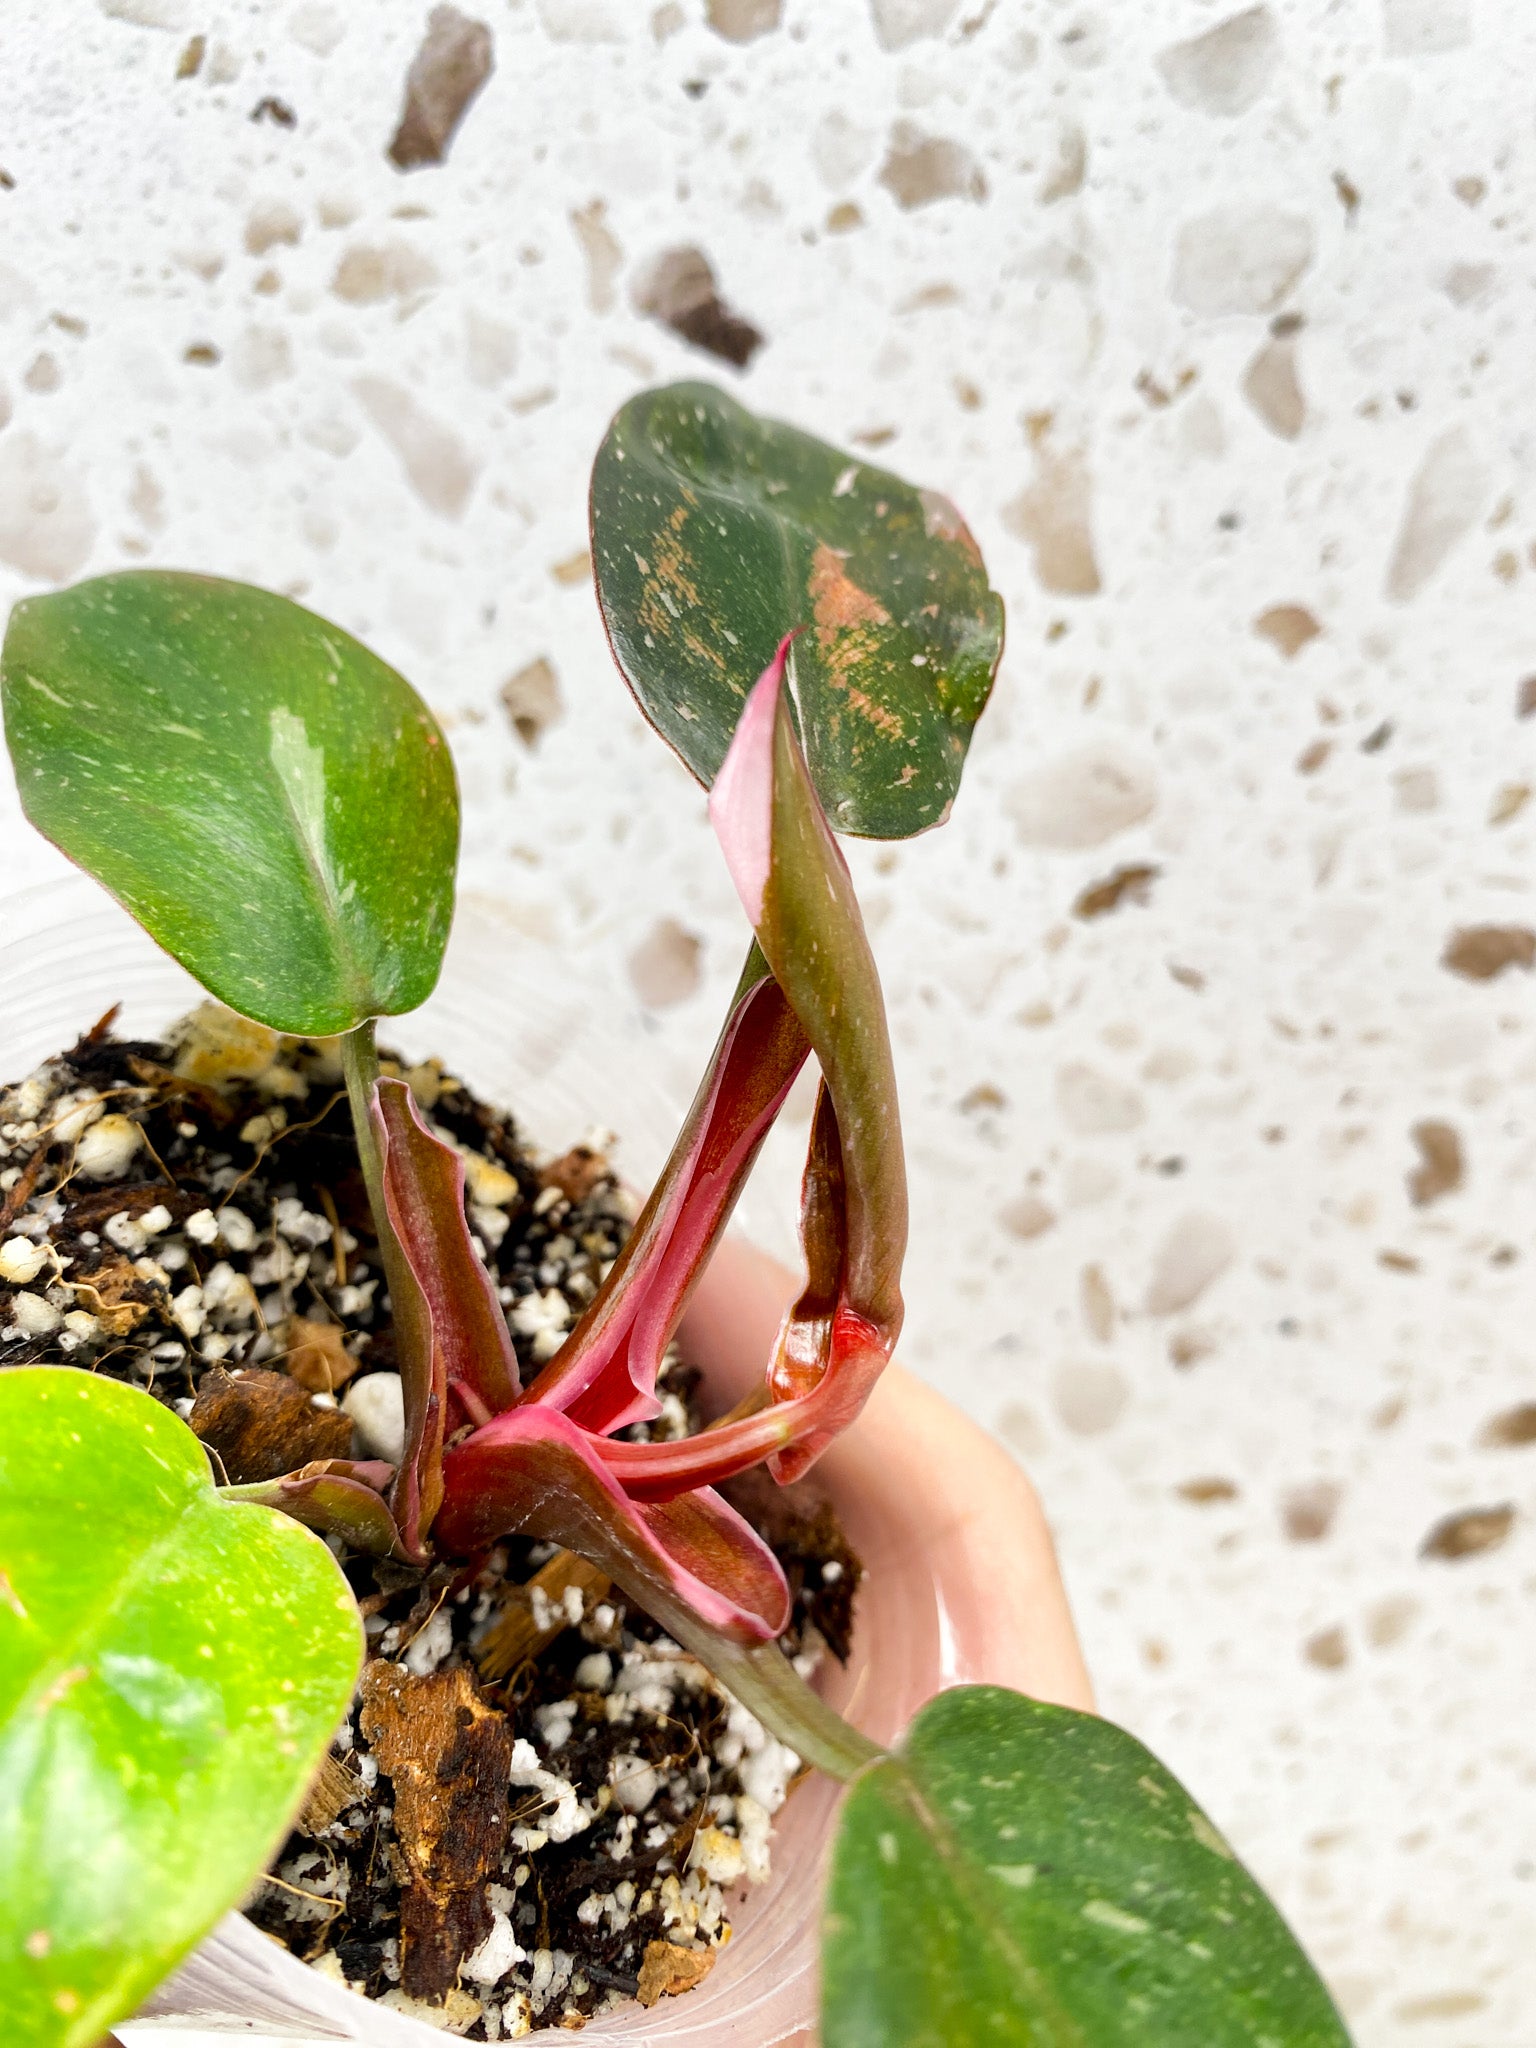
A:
[278,809]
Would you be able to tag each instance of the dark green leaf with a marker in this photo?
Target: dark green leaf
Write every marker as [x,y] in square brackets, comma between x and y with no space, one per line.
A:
[274,804]
[171,1668]
[1025,1874]
[715,532]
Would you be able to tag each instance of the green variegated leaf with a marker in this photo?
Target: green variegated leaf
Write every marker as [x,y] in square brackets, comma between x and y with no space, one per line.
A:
[172,1665]
[1026,1876]
[274,804]
[715,532]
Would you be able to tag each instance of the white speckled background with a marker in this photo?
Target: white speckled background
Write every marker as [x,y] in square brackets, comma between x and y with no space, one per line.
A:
[1195,331]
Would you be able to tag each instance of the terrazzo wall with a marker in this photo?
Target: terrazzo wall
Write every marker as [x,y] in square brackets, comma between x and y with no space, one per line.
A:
[1213,1004]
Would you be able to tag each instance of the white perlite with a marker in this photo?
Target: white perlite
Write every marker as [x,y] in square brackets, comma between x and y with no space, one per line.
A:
[377,1407]
[497,1954]
[564,1814]
[107,1149]
[21,1261]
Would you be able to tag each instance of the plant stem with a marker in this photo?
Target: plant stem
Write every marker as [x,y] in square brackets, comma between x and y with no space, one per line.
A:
[360,1065]
[768,1685]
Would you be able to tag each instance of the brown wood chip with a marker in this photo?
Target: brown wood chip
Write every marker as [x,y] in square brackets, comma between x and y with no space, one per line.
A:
[448,1756]
[334,1789]
[263,1424]
[21,1194]
[668,1969]
[317,1355]
[90,1211]
[515,1635]
[176,1087]
[576,1173]
[118,1296]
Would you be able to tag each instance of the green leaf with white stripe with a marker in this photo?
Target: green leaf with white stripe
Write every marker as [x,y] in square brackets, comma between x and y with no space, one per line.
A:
[1026,1874]
[274,804]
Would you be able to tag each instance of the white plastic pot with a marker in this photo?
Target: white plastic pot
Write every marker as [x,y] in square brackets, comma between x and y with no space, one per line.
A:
[961,1578]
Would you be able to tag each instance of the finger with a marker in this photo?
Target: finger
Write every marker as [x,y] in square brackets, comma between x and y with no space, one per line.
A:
[964,1584]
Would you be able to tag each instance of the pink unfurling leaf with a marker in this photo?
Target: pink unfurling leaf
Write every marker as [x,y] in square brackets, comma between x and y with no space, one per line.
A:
[534,1470]
[854,1206]
[454,1354]
[533,1466]
[604,1376]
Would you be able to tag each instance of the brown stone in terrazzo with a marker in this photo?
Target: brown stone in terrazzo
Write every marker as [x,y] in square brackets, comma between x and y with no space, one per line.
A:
[1054,515]
[1443,503]
[664,967]
[1205,1493]
[1441,1168]
[1079,799]
[919,169]
[1098,1303]
[453,63]
[1328,1649]
[532,700]
[743,21]
[1510,799]
[1469,1533]
[1194,1252]
[1272,387]
[1440,2005]
[1389,1620]
[1478,952]
[679,290]
[1511,1430]
[1090,1398]
[1188,1347]
[1129,884]
[1307,1511]
[1287,628]
[1027,1217]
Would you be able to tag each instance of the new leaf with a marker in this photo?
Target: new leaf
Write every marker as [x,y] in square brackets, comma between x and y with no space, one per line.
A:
[172,1666]
[714,530]
[273,803]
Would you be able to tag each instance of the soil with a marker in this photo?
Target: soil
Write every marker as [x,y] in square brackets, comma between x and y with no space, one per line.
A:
[539,1806]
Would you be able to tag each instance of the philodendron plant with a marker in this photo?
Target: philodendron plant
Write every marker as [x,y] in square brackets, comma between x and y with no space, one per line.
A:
[278,809]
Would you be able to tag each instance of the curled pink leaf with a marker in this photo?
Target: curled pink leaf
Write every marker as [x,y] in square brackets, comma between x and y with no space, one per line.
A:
[854,1202]
[536,1472]
[604,1376]
[455,1357]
